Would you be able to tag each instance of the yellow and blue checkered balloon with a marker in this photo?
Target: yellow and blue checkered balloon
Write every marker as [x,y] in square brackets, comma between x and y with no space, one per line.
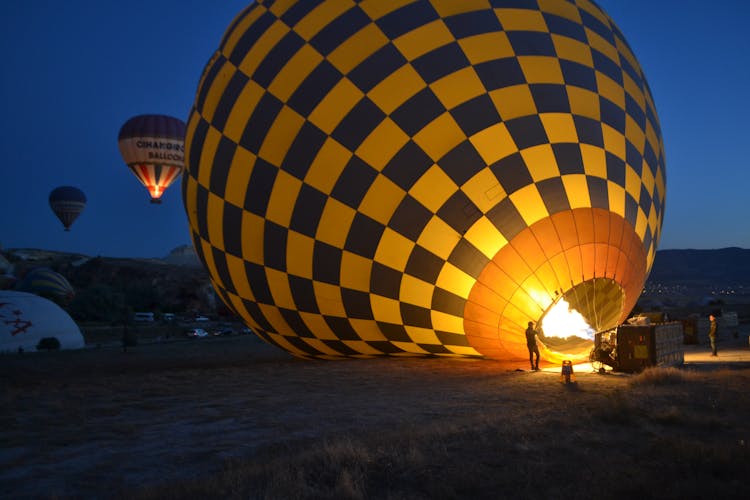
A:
[396,177]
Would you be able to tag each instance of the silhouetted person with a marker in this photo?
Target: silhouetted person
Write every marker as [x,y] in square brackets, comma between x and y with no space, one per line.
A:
[531,344]
[712,333]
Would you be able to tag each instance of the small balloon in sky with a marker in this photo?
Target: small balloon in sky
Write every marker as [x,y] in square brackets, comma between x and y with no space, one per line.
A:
[153,147]
[67,202]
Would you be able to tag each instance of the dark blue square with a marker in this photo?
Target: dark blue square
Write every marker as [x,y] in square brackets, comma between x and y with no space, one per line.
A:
[578,75]
[415,315]
[607,66]
[553,195]
[250,36]
[424,264]
[476,115]
[612,114]
[314,88]
[308,210]
[419,110]
[589,131]
[500,73]
[406,19]
[260,122]
[354,181]
[326,263]
[228,99]
[447,302]
[277,58]
[231,220]
[473,23]
[598,192]
[462,163]
[565,27]
[339,30]
[531,43]
[598,27]
[358,124]
[506,218]
[459,212]
[568,158]
[356,304]
[615,169]
[303,150]
[410,218]
[407,166]
[303,294]
[550,98]
[468,258]
[376,68]
[259,187]
[527,131]
[364,236]
[274,245]
[385,281]
[512,173]
[440,62]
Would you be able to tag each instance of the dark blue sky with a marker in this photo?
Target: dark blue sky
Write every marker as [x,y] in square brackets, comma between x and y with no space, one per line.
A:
[75,71]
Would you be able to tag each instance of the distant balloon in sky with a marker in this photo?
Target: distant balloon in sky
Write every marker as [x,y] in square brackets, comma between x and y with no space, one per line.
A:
[153,148]
[67,202]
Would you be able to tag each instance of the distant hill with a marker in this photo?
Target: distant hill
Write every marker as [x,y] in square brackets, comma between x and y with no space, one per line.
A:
[725,266]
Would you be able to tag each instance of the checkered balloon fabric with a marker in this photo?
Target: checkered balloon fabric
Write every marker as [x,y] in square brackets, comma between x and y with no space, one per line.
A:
[423,177]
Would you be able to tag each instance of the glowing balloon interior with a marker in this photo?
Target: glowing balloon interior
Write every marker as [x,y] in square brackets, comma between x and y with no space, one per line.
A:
[153,147]
[424,177]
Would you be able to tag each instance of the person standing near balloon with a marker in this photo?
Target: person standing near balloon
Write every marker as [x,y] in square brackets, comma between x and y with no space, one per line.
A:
[531,335]
[712,333]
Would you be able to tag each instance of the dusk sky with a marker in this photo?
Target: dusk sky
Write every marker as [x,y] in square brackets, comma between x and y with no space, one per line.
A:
[75,71]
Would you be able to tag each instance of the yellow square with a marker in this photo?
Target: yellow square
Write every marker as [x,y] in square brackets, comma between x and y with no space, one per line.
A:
[357,48]
[238,177]
[278,283]
[386,310]
[208,255]
[397,88]
[641,224]
[446,8]
[616,195]
[541,162]
[634,133]
[433,188]
[485,237]
[263,46]
[514,102]
[423,39]
[614,141]
[593,10]
[376,9]
[335,223]
[647,178]
[355,271]
[320,17]
[458,87]
[583,102]
[635,91]
[541,69]
[560,127]
[393,250]
[382,200]
[210,144]
[280,136]
[299,254]
[422,335]
[382,144]
[610,89]
[279,7]
[238,273]
[252,238]
[484,190]
[632,182]
[335,105]
[191,197]
[577,190]
[216,90]
[521,20]
[283,197]
[239,30]
[594,161]
[367,330]
[215,214]
[572,50]
[494,143]
[626,53]
[327,166]
[242,110]
[294,72]
[598,43]
[652,138]
[454,279]
[318,326]
[563,9]
[447,322]
[273,315]
[439,238]
[415,291]
[329,299]
[530,205]
[487,47]
[440,136]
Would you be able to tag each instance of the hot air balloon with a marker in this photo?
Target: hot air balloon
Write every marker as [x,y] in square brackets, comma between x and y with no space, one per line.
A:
[45,282]
[67,202]
[424,177]
[153,148]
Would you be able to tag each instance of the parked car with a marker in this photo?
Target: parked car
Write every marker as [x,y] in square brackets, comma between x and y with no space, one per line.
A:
[196,332]
[223,331]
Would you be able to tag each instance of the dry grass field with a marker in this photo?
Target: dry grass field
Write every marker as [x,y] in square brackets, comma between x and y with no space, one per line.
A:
[235,418]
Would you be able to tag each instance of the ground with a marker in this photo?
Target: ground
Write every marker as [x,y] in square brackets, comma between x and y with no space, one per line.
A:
[92,422]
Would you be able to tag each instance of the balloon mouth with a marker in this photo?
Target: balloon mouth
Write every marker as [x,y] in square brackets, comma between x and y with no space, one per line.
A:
[569,324]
